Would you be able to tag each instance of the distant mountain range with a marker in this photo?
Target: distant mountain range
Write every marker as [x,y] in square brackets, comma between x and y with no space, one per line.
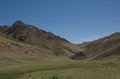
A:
[29,42]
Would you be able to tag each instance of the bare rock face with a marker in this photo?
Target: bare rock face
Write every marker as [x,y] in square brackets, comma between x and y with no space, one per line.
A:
[29,33]
[79,55]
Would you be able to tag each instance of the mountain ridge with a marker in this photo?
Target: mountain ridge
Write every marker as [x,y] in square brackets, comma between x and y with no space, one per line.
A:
[28,41]
[103,48]
[47,43]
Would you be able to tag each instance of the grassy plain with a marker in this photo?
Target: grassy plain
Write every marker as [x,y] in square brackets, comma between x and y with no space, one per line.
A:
[59,70]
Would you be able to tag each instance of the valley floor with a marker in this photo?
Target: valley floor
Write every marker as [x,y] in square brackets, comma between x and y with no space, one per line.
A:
[59,70]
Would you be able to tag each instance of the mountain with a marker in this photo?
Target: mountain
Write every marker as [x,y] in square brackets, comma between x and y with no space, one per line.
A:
[107,48]
[27,41]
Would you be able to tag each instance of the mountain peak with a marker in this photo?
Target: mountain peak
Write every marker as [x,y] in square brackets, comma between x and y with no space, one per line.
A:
[30,34]
[18,22]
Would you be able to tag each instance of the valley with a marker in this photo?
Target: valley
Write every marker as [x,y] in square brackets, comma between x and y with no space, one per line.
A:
[27,52]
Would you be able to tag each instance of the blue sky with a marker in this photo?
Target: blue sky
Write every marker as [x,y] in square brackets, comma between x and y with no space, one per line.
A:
[75,20]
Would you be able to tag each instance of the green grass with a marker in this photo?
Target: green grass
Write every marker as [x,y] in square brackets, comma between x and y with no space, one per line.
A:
[62,70]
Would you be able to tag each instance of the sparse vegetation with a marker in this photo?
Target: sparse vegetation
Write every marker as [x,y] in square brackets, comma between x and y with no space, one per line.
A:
[27,52]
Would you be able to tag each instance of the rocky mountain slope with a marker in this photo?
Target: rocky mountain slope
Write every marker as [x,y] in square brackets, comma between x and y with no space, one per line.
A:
[105,48]
[23,40]
[29,42]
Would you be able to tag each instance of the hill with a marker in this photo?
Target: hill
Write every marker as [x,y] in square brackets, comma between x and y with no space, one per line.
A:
[23,40]
[107,48]
[26,41]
